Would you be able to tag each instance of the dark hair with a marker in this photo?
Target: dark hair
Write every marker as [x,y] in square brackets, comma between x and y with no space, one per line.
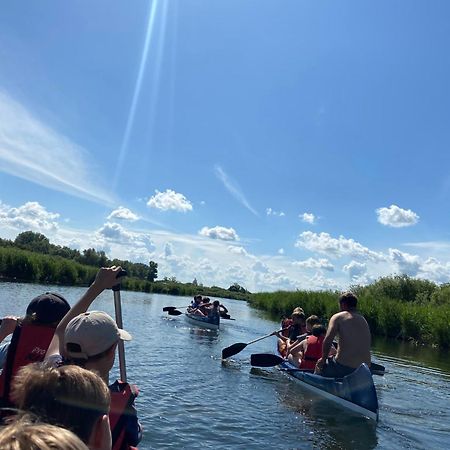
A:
[318,330]
[349,298]
[313,320]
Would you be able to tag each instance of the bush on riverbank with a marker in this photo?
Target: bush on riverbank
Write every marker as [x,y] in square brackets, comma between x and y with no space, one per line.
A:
[399,307]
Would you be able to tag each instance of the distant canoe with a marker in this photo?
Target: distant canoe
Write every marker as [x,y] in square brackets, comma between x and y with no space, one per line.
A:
[211,323]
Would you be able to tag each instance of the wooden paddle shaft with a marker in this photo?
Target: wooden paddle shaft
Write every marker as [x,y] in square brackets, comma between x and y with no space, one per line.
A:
[121,347]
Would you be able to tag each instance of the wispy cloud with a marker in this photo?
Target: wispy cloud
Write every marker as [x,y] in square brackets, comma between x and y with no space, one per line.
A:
[233,189]
[31,150]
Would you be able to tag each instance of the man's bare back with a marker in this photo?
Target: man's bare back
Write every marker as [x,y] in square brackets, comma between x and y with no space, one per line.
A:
[354,338]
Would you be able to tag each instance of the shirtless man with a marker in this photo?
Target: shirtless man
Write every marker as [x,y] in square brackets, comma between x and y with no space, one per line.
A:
[354,340]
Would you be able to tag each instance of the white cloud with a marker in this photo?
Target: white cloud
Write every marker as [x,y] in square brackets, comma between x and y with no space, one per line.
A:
[271,212]
[355,269]
[170,200]
[396,217]
[238,250]
[405,262]
[221,233]
[336,247]
[434,270]
[233,189]
[312,263]
[123,213]
[31,150]
[30,215]
[308,218]
[117,233]
[281,251]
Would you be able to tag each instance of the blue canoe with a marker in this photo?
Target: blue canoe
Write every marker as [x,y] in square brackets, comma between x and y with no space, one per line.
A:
[211,323]
[355,391]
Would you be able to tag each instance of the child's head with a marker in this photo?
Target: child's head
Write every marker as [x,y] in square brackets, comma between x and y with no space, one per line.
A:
[298,318]
[68,396]
[91,338]
[24,434]
[47,309]
[311,321]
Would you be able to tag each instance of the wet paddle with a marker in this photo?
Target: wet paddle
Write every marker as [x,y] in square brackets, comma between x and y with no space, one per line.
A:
[174,312]
[270,360]
[171,308]
[239,346]
[118,311]
[265,360]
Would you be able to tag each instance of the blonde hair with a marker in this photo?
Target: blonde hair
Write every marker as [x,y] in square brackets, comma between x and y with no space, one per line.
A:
[69,396]
[22,434]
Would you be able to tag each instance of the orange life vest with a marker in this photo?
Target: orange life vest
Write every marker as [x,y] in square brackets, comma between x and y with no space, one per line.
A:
[313,352]
[122,398]
[29,343]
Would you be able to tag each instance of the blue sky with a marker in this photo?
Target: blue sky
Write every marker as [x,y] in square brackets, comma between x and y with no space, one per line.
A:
[279,145]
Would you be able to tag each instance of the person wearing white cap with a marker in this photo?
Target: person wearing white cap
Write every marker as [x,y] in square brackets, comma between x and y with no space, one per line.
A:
[89,339]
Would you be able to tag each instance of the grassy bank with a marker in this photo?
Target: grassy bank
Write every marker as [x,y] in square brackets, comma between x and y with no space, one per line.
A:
[398,307]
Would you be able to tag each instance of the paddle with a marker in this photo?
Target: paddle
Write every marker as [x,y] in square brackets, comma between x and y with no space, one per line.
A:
[377,369]
[118,311]
[270,360]
[171,308]
[174,312]
[239,346]
[265,360]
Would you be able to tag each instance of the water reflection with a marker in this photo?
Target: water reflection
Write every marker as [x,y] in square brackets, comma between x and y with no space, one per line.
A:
[204,335]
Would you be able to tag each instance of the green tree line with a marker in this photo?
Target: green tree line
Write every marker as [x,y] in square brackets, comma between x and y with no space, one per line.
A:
[32,258]
[398,306]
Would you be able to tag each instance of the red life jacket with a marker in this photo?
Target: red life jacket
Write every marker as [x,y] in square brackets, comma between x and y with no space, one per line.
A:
[122,399]
[313,352]
[29,343]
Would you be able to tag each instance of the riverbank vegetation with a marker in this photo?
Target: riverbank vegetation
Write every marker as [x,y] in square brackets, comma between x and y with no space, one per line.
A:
[399,307]
[32,258]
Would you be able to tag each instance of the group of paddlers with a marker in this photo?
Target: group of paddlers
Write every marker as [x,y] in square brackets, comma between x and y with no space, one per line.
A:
[309,345]
[54,382]
[202,306]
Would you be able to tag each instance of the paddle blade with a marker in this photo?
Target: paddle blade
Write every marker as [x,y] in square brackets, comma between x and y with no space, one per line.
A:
[265,360]
[233,350]
[377,369]
[174,312]
[169,308]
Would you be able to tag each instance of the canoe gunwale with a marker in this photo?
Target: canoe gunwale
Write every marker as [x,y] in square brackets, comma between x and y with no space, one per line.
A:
[202,321]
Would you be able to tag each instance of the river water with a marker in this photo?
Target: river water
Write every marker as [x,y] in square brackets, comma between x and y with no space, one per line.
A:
[190,399]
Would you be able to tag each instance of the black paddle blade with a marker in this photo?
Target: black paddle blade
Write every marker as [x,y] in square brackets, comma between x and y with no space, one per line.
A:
[169,308]
[377,369]
[265,360]
[233,350]
[174,312]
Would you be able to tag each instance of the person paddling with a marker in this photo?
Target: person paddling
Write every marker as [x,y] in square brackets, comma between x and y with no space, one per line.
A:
[89,339]
[354,340]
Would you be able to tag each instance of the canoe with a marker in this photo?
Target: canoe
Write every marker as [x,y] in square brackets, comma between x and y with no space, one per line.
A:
[355,391]
[211,323]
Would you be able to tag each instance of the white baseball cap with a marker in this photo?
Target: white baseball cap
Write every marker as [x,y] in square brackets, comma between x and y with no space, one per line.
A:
[91,333]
